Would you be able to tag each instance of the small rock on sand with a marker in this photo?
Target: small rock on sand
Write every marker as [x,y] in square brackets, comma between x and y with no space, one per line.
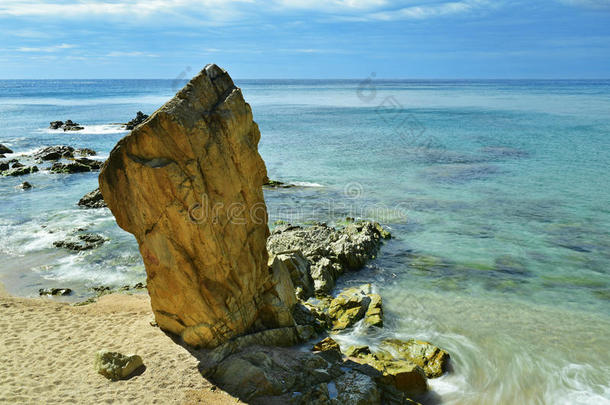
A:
[116,366]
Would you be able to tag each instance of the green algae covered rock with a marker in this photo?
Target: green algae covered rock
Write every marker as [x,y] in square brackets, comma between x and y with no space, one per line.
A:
[354,304]
[399,374]
[433,360]
[116,366]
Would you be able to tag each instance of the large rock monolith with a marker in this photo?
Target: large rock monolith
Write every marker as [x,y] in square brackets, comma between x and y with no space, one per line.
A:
[187,183]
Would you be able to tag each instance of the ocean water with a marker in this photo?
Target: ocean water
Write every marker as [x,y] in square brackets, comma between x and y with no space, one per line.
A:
[496,193]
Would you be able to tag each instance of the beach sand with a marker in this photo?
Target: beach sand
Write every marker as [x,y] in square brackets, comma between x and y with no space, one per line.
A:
[47,351]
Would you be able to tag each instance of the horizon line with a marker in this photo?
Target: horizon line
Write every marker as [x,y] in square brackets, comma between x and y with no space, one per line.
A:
[335,79]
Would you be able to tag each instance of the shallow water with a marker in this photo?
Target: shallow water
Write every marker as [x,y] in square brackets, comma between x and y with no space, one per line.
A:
[496,193]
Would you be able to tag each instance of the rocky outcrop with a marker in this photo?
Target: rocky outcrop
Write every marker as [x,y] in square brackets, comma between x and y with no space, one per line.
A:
[69,168]
[403,375]
[94,199]
[295,264]
[4,149]
[276,184]
[82,242]
[329,251]
[433,360]
[66,126]
[187,184]
[80,165]
[140,118]
[354,304]
[116,366]
[20,171]
[54,291]
[54,152]
[349,307]
[85,152]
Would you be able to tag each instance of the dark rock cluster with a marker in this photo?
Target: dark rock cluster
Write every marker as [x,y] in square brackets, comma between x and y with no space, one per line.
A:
[140,118]
[86,241]
[69,125]
[94,199]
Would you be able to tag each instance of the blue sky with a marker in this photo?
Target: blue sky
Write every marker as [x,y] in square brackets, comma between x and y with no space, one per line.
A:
[305,38]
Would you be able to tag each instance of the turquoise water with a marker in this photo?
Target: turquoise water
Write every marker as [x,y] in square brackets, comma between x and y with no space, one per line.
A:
[496,193]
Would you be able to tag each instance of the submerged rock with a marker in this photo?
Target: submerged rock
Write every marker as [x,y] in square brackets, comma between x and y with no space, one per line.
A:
[94,199]
[329,251]
[140,118]
[25,186]
[116,366]
[4,149]
[54,152]
[504,152]
[208,275]
[54,291]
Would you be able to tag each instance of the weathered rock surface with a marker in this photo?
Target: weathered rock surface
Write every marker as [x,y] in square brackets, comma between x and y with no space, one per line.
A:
[140,118]
[403,375]
[94,199]
[4,149]
[350,306]
[433,360]
[330,251]
[188,184]
[54,152]
[354,304]
[299,269]
[116,366]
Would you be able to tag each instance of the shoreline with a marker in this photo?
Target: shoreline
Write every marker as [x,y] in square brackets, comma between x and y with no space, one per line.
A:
[49,348]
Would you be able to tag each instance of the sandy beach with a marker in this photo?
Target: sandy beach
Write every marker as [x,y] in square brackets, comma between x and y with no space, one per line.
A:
[48,349]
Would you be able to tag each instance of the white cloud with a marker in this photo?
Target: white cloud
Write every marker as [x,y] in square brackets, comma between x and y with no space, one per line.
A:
[219,11]
[132,8]
[48,49]
[431,10]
